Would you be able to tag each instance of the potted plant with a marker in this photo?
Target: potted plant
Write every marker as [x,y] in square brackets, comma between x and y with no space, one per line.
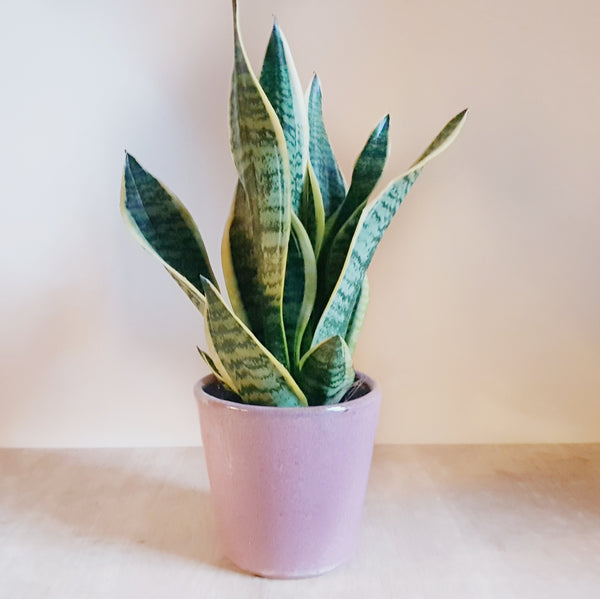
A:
[287,424]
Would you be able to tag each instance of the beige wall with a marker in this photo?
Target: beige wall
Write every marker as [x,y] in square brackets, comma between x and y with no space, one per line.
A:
[484,324]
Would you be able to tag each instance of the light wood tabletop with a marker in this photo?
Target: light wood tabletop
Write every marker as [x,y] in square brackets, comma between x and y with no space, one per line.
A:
[439,522]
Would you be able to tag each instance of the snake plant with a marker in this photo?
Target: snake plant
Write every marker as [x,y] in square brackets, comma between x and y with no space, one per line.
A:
[297,244]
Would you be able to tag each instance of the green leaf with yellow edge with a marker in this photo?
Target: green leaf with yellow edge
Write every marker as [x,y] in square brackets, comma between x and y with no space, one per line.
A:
[358,316]
[326,372]
[261,158]
[280,82]
[367,172]
[300,288]
[311,212]
[213,367]
[239,263]
[256,375]
[164,227]
[216,360]
[329,177]
[374,220]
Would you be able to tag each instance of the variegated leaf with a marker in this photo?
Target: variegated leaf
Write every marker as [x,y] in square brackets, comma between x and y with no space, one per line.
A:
[216,360]
[212,366]
[358,316]
[373,222]
[326,372]
[300,288]
[257,376]
[261,158]
[280,82]
[312,214]
[330,179]
[340,246]
[367,172]
[164,227]
[239,263]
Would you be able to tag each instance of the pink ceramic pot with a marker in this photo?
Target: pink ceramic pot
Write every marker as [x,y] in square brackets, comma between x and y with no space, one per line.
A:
[288,484]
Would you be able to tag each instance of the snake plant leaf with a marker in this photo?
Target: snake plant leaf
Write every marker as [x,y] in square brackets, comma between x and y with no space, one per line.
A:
[239,263]
[216,360]
[312,214]
[257,376]
[374,220]
[261,158]
[279,79]
[164,227]
[300,288]
[326,372]
[358,316]
[212,366]
[192,292]
[367,172]
[330,179]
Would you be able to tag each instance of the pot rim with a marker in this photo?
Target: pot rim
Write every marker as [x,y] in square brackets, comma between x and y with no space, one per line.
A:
[204,396]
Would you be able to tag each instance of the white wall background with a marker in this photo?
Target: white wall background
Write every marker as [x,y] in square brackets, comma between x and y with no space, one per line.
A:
[484,323]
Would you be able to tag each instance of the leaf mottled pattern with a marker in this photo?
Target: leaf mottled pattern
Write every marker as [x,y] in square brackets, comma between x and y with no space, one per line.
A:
[240,264]
[311,211]
[331,181]
[340,230]
[261,158]
[374,220]
[367,172]
[281,84]
[165,227]
[256,374]
[358,316]
[326,372]
[300,288]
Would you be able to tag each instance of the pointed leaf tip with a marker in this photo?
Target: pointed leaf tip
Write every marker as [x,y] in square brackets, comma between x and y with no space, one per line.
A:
[460,117]
[383,125]
[131,161]
[366,234]
[315,84]
[206,284]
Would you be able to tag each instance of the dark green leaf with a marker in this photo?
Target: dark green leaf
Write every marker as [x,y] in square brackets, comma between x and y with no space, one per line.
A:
[261,158]
[326,372]
[164,227]
[300,288]
[256,375]
[311,213]
[358,316]
[329,177]
[280,82]
[367,172]
[373,222]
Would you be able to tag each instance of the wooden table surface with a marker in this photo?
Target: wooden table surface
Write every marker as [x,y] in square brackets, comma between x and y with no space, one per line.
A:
[439,522]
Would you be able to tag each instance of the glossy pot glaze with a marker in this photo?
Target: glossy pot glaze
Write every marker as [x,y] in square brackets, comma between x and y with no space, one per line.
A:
[288,484]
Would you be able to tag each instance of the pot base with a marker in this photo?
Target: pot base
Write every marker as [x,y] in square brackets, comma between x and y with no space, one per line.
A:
[294,575]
